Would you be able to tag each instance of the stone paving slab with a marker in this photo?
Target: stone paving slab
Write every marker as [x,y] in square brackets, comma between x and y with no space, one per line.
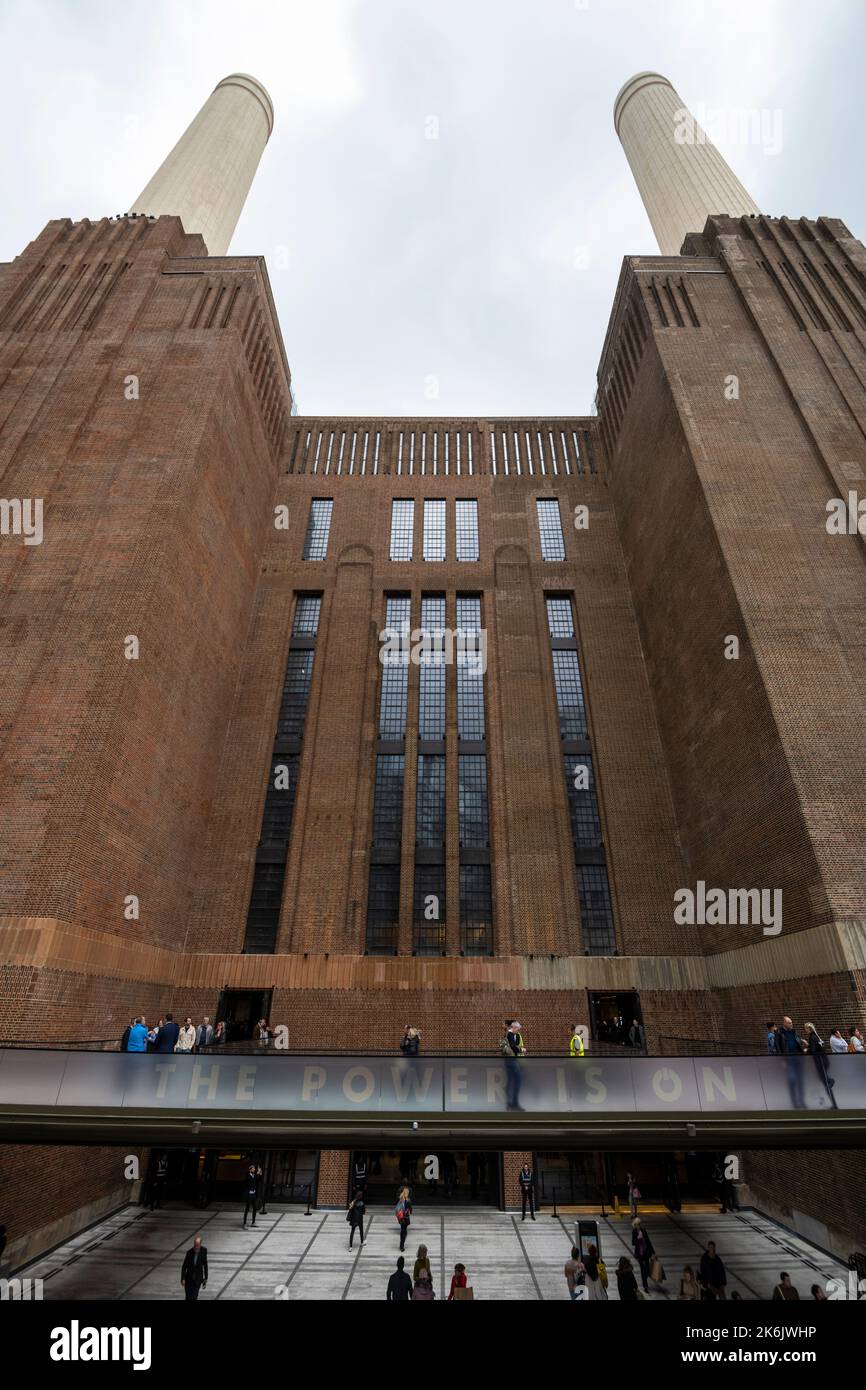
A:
[137,1255]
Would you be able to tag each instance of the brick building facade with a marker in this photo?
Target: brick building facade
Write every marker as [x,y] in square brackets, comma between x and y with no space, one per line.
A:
[145,396]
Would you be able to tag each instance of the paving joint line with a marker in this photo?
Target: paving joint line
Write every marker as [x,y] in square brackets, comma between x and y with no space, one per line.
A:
[527,1259]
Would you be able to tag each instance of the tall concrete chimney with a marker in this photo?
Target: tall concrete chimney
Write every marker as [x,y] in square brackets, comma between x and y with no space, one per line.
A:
[680,175]
[206,178]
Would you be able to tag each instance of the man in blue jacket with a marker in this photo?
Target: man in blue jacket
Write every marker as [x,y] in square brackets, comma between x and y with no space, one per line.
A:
[167,1036]
[137,1036]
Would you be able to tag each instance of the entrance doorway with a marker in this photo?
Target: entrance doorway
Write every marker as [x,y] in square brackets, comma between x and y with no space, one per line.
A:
[455,1177]
[240,1011]
[612,1015]
[202,1176]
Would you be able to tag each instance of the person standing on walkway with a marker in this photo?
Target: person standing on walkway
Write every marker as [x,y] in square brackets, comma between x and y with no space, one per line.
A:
[815,1048]
[855,1041]
[772,1040]
[574,1272]
[410,1043]
[625,1281]
[355,1217]
[359,1173]
[643,1249]
[399,1285]
[251,1193]
[526,1178]
[422,1261]
[785,1290]
[792,1047]
[137,1036]
[595,1290]
[203,1034]
[512,1049]
[633,1194]
[124,1041]
[193,1274]
[185,1037]
[837,1042]
[637,1034]
[403,1213]
[575,1042]
[458,1281]
[714,1280]
[166,1036]
[160,1177]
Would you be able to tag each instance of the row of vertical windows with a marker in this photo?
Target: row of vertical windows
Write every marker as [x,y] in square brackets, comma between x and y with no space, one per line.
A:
[590,864]
[550,529]
[263,913]
[434,542]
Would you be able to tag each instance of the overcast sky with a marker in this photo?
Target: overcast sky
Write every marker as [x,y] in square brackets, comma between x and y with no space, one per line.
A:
[480,265]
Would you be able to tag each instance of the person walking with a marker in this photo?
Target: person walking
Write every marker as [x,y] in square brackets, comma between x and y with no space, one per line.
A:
[410,1043]
[785,1290]
[203,1034]
[712,1276]
[193,1274]
[137,1041]
[160,1177]
[689,1290]
[815,1048]
[185,1037]
[166,1036]
[403,1213]
[355,1217]
[633,1194]
[423,1291]
[575,1042]
[772,1040]
[644,1250]
[595,1289]
[526,1179]
[792,1047]
[399,1285]
[422,1261]
[458,1281]
[251,1194]
[574,1272]
[625,1281]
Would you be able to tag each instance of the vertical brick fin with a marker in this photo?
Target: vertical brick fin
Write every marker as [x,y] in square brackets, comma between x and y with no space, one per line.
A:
[199,304]
[18,295]
[687,300]
[41,288]
[82,302]
[67,285]
[119,271]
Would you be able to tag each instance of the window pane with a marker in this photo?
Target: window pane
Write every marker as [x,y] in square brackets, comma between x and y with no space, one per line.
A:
[560,619]
[431,711]
[307,609]
[582,801]
[434,530]
[402,524]
[383,908]
[318,529]
[476,914]
[472,775]
[388,801]
[395,671]
[569,694]
[470,676]
[428,917]
[430,802]
[467,530]
[296,689]
[550,529]
[595,910]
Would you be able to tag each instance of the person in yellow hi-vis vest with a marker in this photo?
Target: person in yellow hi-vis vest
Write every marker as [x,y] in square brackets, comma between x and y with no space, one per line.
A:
[575,1042]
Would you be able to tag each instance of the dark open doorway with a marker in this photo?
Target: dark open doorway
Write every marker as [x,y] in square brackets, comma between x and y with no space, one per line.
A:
[241,1009]
[455,1177]
[612,1016]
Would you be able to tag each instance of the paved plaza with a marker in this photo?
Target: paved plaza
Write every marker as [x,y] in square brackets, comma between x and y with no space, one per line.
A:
[136,1254]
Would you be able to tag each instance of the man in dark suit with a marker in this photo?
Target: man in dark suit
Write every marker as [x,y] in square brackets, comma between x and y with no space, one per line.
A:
[167,1036]
[193,1276]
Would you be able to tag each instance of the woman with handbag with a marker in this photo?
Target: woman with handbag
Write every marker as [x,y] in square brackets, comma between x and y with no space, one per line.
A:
[458,1281]
[355,1217]
[595,1290]
[643,1249]
[403,1213]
